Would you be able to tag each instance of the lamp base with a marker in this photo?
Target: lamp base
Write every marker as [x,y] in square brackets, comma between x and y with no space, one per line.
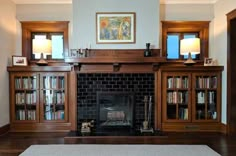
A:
[189,61]
[42,61]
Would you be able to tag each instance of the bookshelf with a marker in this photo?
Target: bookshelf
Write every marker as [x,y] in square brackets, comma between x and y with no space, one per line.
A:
[191,98]
[177,106]
[26,92]
[207,99]
[53,93]
[38,99]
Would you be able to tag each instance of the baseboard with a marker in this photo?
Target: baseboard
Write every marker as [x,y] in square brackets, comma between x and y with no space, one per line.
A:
[4,129]
[224,128]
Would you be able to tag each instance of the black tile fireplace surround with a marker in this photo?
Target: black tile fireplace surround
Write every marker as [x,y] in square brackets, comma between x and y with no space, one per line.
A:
[90,84]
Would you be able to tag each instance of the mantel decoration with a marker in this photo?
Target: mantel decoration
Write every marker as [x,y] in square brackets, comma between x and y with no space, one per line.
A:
[147,51]
[115,27]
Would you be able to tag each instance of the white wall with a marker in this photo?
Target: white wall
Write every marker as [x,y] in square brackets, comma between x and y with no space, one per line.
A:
[147,22]
[186,12]
[7,46]
[219,43]
[41,12]
[44,12]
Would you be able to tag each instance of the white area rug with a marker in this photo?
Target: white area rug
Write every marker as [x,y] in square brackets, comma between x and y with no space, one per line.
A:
[119,150]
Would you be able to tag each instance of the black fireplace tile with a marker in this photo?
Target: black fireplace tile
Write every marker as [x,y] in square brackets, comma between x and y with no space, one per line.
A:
[112,82]
[104,82]
[97,75]
[140,83]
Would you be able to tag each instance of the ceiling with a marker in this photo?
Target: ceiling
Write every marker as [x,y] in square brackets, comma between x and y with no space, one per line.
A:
[70,1]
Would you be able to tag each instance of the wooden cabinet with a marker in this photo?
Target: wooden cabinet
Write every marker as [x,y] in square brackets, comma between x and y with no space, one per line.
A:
[39,98]
[191,98]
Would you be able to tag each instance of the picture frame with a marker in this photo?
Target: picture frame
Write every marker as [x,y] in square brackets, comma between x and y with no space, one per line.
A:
[115,27]
[208,62]
[19,61]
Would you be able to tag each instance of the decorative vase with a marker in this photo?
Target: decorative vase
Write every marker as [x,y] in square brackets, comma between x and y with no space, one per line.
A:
[147,52]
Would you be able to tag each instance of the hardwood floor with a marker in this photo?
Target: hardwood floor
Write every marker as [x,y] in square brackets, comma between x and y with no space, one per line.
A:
[12,144]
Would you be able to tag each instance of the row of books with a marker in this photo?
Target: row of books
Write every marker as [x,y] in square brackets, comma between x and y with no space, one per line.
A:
[54,97]
[177,82]
[26,83]
[53,82]
[177,97]
[183,113]
[206,82]
[58,115]
[210,99]
[25,115]
[26,98]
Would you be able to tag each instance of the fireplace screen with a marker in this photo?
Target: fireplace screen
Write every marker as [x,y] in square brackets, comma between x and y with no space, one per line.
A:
[115,109]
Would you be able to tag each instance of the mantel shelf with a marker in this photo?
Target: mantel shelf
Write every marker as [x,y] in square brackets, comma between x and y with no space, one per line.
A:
[107,60]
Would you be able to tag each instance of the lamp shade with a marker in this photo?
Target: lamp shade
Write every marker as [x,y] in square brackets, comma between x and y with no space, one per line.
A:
[42,46]
[190,45]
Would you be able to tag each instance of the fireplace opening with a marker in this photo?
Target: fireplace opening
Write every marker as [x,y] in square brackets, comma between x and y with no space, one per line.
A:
[115,111]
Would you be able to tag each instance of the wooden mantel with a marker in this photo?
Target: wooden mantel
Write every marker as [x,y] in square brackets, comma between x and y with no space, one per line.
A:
[114,56]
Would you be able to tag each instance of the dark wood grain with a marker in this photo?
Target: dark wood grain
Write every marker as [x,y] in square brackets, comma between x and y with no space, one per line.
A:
[231,70]
[4,129]
[12,144]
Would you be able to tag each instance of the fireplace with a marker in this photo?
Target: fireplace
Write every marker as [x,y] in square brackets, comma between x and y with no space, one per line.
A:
[115,110]
[94,88]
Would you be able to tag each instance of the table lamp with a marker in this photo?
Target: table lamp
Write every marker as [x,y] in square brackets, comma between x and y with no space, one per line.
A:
[188,47]
[42,46]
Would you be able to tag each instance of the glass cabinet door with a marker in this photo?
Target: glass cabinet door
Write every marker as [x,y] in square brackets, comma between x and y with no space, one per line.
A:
[26,92]
[53,97]
[176,100]
[206,99]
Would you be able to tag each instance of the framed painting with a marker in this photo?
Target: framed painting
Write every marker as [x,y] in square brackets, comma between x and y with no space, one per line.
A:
[208,61]
[19,61]
[115,27]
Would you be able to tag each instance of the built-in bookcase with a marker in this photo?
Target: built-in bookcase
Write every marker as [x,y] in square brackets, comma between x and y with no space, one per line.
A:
[191,98]
[38,98]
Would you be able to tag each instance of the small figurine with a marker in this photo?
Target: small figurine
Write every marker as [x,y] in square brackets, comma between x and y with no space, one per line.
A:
[86,126]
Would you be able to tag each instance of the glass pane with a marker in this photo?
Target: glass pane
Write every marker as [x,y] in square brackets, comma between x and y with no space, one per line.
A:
[173,46]
[57,46]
